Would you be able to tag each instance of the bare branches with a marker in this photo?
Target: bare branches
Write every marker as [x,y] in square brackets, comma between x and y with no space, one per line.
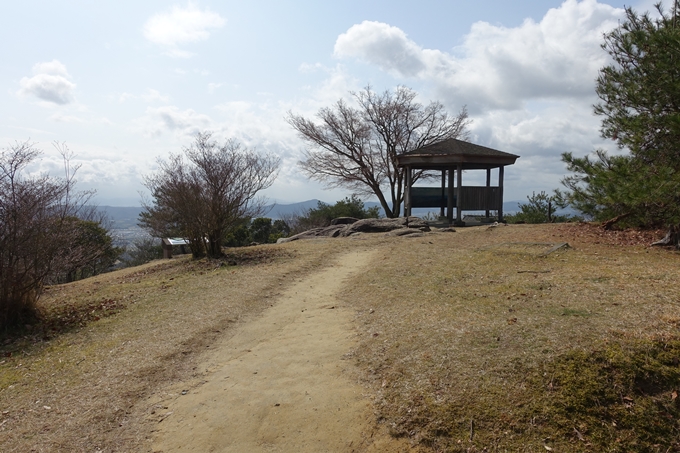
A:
[357,148]
[35,231]
[202,197]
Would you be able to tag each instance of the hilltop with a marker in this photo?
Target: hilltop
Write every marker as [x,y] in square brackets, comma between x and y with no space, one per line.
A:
[454,341]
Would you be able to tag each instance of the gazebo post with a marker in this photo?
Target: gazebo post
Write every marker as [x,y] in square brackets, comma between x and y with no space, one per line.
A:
[443,204]
[459,193]
[407,193]
[449,204]
[501,170]
[488,184]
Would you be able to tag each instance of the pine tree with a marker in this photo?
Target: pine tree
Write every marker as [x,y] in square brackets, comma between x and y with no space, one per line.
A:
[640,106]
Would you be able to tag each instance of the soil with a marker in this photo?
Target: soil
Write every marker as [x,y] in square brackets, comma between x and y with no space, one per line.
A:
[283,382]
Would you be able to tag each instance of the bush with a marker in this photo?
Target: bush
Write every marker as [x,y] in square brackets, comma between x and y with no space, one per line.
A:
[261,230]
[142,251]
[324,213]
[540,209]
[90,252]
[205,192]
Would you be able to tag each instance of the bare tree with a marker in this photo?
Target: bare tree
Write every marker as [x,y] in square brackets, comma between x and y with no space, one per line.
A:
[357,147]
[205,192]
[35,228]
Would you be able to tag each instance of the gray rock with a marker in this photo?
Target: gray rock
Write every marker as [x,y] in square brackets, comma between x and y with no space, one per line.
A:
[362,226]
[385,225]
[329,231]
[344,221]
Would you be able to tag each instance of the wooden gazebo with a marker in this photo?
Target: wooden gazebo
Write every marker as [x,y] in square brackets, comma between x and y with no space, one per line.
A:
[453,156]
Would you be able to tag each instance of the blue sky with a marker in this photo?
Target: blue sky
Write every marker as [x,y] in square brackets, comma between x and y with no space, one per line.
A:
[123,83]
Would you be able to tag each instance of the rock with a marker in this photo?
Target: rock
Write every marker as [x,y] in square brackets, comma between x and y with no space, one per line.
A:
[329,231]
[447,230]
[403,232]
[362,226]
[385,225]
[344,221]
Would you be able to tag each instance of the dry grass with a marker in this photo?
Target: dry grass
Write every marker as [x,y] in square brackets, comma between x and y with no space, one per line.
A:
[81,380]
[469,341]
[474,340]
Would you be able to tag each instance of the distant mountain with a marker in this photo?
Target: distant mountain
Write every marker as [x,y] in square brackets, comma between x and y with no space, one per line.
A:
[279,211]
[124,217]
[127,217]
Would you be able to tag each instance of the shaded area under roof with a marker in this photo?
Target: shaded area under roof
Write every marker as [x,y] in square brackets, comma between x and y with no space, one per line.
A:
[452,152]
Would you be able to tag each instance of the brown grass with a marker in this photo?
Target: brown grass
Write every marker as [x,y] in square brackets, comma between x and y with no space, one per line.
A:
[81,380]
[469,341]
[465,334]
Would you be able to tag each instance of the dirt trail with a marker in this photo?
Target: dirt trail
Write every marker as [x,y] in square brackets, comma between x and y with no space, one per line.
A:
[281,383]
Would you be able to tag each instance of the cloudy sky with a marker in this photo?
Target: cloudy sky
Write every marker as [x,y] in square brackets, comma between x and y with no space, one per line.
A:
[123,83]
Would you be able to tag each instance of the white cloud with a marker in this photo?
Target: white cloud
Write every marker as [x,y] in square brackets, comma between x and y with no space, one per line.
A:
[212,87]
[181,26]
[529,88]
[125,96]
[152,95]
[539,134]
[383,45]
[61,118]
[54,67]
[50,83]
[497,67]
[170,118]
[177,53]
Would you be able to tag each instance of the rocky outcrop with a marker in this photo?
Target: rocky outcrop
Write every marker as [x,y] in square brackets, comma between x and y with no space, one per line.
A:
[344,221]
[362,226]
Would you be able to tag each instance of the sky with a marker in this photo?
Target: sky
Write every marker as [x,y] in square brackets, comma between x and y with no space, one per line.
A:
[125,83]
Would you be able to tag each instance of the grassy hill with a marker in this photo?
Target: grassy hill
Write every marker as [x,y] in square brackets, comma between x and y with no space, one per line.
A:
[477,340]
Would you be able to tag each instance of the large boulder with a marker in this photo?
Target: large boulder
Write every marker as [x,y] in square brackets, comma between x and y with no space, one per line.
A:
[344,221]
[385,225]
[329,231]
[362,226]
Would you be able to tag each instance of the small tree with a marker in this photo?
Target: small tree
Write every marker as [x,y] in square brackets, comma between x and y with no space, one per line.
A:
[357,147]
[261,230]
[264,231]
[36,229]
[540,209]
[207,191]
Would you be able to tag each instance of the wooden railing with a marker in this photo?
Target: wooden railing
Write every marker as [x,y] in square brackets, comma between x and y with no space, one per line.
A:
[473,198]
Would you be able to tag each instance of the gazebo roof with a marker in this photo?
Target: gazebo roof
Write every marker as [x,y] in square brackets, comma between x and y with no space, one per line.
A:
[452,152]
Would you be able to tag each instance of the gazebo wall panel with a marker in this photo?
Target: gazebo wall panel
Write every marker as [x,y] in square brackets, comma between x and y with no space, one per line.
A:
[480,198]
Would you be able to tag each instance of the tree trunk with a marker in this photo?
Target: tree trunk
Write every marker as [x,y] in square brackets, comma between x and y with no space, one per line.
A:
[383,202]
[607,225]
[672,238]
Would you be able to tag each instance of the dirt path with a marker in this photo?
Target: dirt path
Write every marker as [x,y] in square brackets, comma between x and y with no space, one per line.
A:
[281,383]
